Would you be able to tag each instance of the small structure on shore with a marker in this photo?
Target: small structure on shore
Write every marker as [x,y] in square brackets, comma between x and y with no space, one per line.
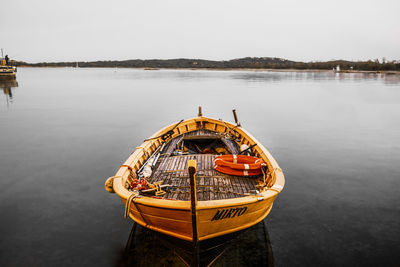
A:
[6,71]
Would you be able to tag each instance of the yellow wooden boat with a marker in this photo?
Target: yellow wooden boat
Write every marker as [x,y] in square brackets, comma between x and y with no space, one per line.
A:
[185,196]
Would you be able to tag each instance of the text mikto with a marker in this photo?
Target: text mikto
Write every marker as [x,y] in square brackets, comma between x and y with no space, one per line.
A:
[229,213]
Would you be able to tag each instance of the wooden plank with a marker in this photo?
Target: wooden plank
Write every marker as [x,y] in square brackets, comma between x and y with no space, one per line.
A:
[230,187]
[243,182]
[233,187]
[220,187]
[200,179]
[181,175]
[237,185]
[200,167]
[164,163]
[174,194]
[227,183]
[187,181]
[253,183]
[174,178]
[248,183]
[202,183]
[209,165]
[167,181]
[181,166]
[217,194]
[217,180]
[156,176]
[213,195]
[206,180]
[170,163]
[207,195]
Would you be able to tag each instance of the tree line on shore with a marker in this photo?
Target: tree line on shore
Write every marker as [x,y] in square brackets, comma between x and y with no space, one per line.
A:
[248,62]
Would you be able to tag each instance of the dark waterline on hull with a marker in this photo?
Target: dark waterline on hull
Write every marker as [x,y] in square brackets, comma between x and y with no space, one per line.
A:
[336,136]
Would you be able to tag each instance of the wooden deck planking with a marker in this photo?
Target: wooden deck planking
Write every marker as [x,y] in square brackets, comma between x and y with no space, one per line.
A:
[211,184]
[182,175]
[209,195]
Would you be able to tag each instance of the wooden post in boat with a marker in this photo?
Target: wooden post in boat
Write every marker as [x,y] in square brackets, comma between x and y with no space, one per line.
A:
[236,118]
[192,166]
[200,112]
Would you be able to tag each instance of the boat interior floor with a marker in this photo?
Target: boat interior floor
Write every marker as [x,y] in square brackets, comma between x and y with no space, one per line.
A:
[211,184]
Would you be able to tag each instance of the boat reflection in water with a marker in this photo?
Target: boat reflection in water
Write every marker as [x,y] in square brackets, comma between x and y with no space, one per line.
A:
[250,247]
[7,85]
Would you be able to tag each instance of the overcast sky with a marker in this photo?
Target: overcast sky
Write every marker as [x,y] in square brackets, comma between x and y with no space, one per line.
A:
[307,30]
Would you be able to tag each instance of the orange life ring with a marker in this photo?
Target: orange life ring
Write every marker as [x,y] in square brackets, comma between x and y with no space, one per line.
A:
[234,172]
[239,165]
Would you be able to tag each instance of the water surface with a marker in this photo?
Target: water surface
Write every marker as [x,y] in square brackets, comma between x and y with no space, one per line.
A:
[63,131]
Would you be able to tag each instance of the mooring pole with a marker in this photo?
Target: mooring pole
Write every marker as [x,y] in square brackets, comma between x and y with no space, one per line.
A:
[236,118]
[191,167]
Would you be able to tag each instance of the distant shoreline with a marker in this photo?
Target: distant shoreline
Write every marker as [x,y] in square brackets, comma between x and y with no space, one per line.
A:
[390,72]
[246,63]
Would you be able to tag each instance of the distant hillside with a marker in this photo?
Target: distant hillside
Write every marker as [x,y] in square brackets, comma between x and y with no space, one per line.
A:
[247,62]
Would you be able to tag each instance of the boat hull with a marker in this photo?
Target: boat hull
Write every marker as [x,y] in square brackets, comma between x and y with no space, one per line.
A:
[211,221]
[214,217]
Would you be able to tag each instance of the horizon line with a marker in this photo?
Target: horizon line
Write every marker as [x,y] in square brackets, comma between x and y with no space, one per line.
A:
[184,58]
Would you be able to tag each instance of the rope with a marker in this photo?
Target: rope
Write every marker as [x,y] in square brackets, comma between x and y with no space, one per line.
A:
[264,174]
[273,177]
[128,205]
[270,179]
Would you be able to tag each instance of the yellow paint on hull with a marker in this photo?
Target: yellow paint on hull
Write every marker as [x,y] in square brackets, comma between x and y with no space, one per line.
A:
[178,223]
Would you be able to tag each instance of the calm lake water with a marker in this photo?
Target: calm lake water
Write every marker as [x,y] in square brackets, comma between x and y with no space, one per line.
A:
[63,131]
